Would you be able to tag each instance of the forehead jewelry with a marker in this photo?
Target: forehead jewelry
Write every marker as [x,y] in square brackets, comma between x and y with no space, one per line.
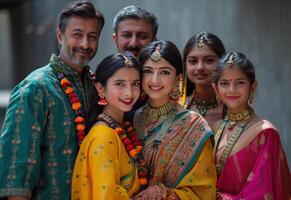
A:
[156,55]
[230,59]
[201,43]
[127,62]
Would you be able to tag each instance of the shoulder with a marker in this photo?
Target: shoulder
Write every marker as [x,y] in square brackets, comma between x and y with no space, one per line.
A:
[102,134]
[138,115]
[259,124]
[190,115]
[43,74]
[195,123]
[37,79]
[34,85]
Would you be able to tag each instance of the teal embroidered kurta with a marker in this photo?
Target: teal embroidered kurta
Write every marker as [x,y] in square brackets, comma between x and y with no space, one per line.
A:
[38,143]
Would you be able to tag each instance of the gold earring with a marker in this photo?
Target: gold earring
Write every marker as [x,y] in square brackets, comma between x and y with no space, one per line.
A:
[251,98]
[175,93]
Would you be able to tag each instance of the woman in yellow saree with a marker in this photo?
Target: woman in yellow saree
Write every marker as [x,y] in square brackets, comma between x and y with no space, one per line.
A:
[177,142]
[110,162]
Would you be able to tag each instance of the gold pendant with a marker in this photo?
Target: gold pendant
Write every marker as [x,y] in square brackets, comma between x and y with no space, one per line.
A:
[153,114]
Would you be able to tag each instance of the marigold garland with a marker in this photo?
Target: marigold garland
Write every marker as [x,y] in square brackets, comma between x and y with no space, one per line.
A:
[67,86]
[132,144]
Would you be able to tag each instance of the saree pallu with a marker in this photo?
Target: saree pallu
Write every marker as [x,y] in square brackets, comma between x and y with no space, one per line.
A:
[103,169]
[183,160]
[257,167]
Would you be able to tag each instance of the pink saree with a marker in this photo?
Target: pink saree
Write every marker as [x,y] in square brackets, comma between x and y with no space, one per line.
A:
[256,167]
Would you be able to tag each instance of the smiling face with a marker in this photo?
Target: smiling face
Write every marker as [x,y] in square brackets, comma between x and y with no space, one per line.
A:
[121,91]
[200,65]
[132,35]
[158,80]
[234,89]
[79,42]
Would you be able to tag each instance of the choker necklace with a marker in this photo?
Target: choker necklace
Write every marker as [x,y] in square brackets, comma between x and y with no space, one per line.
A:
[132,144]
[202,105]
[243,116]
[156,113]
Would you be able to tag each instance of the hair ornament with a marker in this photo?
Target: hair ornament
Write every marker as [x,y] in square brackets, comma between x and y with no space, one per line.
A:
[201,43]
[156,55]
[127,62]
[230,59]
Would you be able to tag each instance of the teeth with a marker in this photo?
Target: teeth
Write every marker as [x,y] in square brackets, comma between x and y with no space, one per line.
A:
[155,88]
[127,101]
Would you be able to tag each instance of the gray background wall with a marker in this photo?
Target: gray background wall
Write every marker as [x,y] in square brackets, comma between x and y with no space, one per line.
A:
[261,29]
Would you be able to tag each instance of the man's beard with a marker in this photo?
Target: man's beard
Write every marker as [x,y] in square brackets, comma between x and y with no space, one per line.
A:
[81,61]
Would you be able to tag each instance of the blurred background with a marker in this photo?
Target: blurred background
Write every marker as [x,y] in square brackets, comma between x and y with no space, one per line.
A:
[261,29]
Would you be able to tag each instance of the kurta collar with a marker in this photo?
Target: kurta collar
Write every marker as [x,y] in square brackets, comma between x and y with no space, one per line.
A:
[59,66]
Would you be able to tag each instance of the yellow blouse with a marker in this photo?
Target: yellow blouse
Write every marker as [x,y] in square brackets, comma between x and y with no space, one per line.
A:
[103,169]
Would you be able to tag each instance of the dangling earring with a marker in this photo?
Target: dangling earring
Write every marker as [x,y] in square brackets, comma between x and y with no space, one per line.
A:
[251,98]
[175,93]
[102,101]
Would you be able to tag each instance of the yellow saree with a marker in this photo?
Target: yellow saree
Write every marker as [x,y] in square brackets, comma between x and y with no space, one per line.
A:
[179,153]
[103,169]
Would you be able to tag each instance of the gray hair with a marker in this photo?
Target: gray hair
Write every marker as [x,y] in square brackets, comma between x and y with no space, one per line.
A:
[135,12]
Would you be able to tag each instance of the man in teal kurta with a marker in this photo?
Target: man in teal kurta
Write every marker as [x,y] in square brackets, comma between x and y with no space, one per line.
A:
[39,142]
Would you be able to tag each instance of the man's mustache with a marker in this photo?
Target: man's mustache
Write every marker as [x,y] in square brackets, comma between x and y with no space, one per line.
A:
[79,49]
[130,48]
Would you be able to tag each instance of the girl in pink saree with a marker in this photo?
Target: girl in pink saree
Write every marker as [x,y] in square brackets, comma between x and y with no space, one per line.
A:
[250,160]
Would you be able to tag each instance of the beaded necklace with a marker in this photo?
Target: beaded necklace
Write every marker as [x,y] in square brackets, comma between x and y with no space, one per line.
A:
[202,105]
[67,86]
[132,144]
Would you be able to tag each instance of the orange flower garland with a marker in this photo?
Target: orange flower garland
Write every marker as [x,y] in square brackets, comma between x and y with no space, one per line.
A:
[132,144]
[76,106]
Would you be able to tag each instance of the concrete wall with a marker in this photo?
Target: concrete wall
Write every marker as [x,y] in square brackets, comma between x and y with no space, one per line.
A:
[261,29]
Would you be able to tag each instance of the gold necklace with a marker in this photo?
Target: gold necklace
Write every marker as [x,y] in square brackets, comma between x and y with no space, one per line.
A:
[156,113]
[243,116]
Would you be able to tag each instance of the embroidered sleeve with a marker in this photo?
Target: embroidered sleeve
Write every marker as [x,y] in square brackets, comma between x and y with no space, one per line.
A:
[20,140]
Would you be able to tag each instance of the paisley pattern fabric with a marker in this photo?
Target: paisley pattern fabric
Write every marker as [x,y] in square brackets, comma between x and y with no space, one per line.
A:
[178,150]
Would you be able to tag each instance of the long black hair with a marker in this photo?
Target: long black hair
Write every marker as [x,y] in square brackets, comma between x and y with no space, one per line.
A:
[107,67]
[212,41]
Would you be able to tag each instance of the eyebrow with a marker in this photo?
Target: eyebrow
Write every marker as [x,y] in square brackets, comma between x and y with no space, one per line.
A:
[122,80]
[239,79]
[81,30]
[203,56]
[161,68]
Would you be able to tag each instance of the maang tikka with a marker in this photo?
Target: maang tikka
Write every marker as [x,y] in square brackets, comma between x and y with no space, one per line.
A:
[127,62]
[230,59]
[201,43]
[156,55]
